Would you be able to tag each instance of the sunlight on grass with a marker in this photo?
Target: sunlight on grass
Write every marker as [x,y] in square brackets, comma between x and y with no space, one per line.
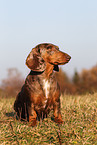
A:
[80,123]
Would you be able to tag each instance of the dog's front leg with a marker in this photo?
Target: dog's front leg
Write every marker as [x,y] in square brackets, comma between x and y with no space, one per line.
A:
[57,113]
[32,115]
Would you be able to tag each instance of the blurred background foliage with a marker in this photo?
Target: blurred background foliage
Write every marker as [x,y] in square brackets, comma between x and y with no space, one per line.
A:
[80,83]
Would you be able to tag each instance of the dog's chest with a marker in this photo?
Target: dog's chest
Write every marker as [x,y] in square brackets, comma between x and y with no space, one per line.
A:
[46,88]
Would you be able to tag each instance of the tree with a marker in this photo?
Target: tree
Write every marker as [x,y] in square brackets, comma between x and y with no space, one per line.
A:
[76,78]
[89,80]
[12,84]
[64,82]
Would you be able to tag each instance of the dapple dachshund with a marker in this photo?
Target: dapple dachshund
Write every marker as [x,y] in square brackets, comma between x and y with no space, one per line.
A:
[40,93]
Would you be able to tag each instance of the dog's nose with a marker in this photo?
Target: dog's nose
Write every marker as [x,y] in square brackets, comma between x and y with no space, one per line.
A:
[68,57]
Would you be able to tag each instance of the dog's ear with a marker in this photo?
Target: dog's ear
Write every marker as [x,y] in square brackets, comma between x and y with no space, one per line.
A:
[35,62]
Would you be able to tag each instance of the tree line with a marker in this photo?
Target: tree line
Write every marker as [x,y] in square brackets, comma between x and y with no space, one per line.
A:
[80,83]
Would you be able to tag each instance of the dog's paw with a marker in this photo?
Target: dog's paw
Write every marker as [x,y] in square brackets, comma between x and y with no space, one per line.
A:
[58,120]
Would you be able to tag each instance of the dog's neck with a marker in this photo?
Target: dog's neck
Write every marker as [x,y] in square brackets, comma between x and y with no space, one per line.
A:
[46,73]
[49,70]
[35,73]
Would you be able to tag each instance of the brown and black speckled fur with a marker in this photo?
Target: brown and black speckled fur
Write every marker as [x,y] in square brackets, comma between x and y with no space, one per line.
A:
[37,98]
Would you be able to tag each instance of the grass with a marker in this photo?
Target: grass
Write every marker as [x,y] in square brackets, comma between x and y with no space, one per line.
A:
[79,128]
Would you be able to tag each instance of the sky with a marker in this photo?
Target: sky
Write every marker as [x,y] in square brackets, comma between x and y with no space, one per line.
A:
[69,24]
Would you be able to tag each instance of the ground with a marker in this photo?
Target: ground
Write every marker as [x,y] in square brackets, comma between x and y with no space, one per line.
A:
[80,124]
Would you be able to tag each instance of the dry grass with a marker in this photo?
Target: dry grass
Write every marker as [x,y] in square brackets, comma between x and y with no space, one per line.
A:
[80,124]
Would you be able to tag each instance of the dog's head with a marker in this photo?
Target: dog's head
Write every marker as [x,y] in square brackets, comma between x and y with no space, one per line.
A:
[46,53]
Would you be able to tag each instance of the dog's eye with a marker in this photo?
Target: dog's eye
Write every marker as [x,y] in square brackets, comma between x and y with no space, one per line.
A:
[49,47]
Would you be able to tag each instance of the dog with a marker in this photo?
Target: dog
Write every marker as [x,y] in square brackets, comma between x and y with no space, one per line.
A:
[41,93]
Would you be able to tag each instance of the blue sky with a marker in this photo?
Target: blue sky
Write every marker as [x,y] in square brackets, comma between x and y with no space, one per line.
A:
[70,24]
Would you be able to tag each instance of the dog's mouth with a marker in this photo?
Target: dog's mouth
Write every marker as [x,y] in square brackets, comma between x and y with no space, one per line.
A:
[59,59]
[62,62]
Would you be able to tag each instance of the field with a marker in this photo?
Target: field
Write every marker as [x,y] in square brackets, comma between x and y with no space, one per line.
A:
[79,128]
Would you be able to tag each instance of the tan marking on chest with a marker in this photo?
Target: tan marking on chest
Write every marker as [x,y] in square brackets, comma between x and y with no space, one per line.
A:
[46,88]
